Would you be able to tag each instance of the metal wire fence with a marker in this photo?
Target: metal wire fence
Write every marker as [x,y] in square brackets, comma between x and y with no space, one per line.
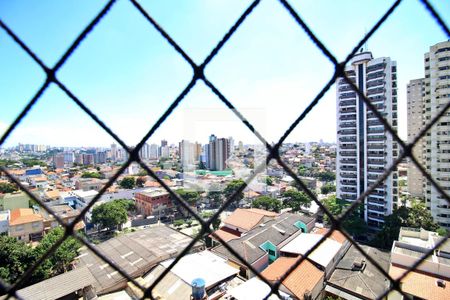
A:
[273,150]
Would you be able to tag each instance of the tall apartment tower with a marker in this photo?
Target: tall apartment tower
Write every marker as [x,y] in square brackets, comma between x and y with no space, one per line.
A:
[365,149]
[415,92]
[436,154]
[218,153]
[113,152]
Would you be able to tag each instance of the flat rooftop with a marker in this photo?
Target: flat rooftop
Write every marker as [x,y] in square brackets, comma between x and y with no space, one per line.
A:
[154,192]
[135,253]
[368,282]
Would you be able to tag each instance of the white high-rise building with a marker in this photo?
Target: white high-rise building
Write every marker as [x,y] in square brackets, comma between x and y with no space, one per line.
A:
[144,153]
[414,96]
[436,146]
[365,149]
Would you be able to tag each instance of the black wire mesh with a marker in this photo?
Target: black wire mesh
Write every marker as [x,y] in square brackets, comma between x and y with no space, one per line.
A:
[273,150]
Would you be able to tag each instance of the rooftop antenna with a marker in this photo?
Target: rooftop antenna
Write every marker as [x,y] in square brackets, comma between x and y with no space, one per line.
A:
[366,47]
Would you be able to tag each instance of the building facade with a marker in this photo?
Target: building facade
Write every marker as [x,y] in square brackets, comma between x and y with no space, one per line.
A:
[218,153]
[365,149]
[436,146]
[415,92]
[153,202]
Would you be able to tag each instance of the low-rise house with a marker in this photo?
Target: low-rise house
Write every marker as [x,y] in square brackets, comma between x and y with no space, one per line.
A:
[153,202]
[261,245]
[83,198]
[213,270]
[241,221]
[355,277]
[89,184]
[25,225]
[431,278]
[52,195]
[305,282]
[65,212]
[325,256]
[39,182]
[253,289]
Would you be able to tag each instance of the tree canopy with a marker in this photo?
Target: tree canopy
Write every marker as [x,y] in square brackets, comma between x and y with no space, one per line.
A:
[111,214]
[326,176]
[6,187]
[328,188]
[232,187]
[295,200]
[267,203]
[140,181]
[17,257]
[91,175]
[127,183]
[416,216]
[353,223]
[30,162]
[190,196]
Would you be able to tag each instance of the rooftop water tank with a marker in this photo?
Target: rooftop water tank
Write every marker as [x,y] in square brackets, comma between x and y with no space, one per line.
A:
[198,288]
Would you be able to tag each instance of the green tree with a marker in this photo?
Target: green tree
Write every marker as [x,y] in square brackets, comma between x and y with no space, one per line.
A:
[232,187]
[267,203]
[127,204]
[215,196]
[326,176]
[60,260]
[15,257]
[303,171]
[6,187]
[110,215]
[127,183]
[142,172]
[328,188]
[353,223]
[140,181]
[201,165]
[269,180]
[216,223]
[178,223]
[416,216]
[31,162]
[295,200]
[91,175]
[189,196]
[6,162]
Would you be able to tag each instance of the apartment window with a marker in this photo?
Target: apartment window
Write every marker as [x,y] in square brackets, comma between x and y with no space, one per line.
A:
[35,225]
[19,228]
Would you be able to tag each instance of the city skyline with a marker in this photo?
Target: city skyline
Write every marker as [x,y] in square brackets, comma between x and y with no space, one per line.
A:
[128,75]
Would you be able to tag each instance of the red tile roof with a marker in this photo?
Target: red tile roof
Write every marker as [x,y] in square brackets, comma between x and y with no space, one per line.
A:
[227,234]
[420,284]
[335,235]
[247,218]
[22,216]
[304,278]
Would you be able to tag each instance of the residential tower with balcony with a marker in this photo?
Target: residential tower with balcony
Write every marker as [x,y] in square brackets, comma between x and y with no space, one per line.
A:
[365,148]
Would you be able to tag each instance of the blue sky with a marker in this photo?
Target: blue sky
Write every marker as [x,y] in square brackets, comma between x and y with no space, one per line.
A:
[128,74]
